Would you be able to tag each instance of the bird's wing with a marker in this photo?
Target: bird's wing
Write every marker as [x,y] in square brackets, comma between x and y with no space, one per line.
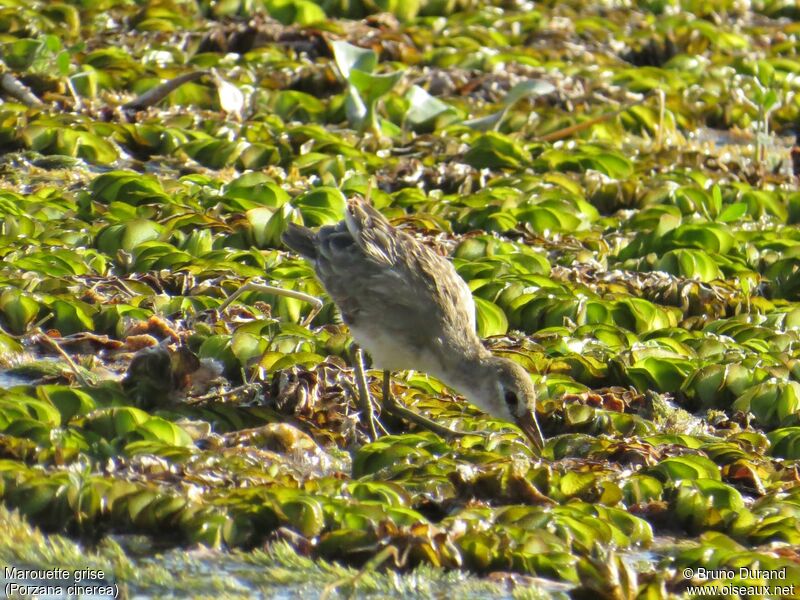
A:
[454,301]
[365,262]
[407,260]
[372,232]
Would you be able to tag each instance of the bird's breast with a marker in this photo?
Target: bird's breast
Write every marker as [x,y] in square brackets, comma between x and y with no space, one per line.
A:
[393,351]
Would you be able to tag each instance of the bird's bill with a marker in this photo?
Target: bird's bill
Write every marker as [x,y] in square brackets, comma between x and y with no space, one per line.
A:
[530,426]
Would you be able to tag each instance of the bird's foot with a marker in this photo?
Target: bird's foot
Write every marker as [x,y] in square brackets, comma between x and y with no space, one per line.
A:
[409,415]
[393,407]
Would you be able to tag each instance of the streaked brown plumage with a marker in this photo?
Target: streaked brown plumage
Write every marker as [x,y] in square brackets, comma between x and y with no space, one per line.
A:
[409,309]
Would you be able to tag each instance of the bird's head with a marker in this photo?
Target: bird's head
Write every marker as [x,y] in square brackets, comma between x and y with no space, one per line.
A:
[508,393]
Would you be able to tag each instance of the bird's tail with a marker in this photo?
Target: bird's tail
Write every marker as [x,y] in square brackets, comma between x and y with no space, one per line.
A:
[302,240]
[362,216]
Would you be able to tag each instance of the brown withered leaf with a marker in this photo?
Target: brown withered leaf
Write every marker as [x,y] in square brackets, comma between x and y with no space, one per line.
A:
[155,326]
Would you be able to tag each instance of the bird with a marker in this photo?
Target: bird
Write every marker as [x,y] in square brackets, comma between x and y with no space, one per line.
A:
[408,308]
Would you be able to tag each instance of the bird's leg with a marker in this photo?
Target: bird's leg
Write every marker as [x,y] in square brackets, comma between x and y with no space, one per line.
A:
[392,406]
[316,303]
[363,394]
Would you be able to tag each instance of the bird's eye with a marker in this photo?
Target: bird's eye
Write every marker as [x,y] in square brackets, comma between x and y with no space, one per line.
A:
[511,400]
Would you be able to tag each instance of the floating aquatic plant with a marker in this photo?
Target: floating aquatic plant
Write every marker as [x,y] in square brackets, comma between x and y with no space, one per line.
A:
[619,200]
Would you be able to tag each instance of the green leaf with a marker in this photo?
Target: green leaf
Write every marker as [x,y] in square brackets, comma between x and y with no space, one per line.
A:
[127,236]
[156,428]
[254,189]
[496,151]
[530,87]
[72,316]
[69,402]
[63,61]
[305,515]
[423,108]
[773,403]
[686,467]
[785,443]
[733,212]
[348,57]
[694,264]
[491,320]
[214,153]
[18,310]
[267,225]
[302,12]
[114,423]
[321,206]
[128,187]
[371,87]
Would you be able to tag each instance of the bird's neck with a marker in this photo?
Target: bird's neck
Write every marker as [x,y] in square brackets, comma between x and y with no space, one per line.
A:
[469,374]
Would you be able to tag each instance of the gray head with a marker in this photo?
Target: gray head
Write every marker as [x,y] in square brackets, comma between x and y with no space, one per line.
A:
[506,391]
